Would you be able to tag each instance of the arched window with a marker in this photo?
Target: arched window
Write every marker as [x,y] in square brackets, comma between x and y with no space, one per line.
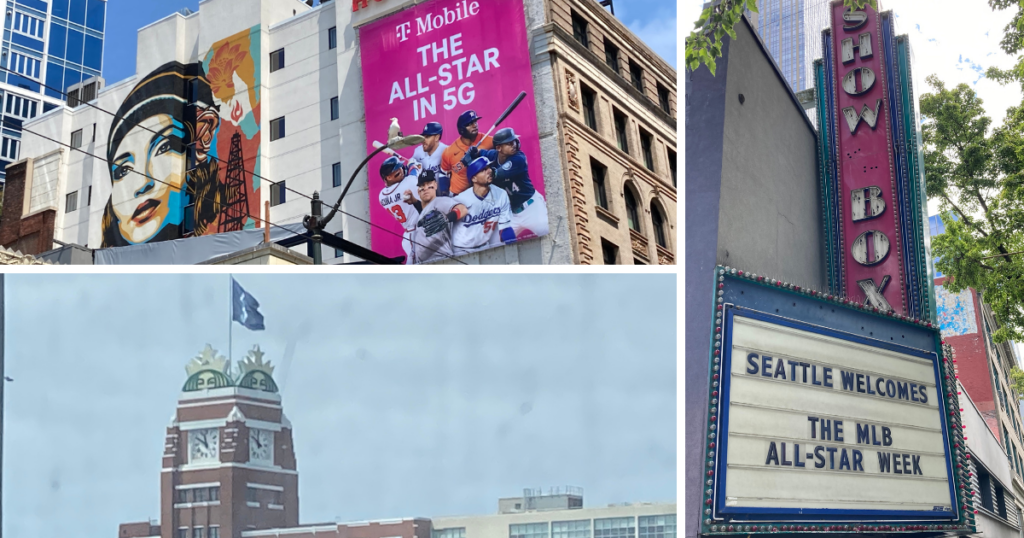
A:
[659,226]
[631,212]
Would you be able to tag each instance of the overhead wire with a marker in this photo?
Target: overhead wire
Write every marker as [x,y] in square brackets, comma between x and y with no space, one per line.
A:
[136,124]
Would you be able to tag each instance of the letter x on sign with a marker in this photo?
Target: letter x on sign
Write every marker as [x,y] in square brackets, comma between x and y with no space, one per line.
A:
[873,295]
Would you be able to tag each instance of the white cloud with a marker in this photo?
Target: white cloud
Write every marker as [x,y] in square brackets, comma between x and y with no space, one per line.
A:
[958,41]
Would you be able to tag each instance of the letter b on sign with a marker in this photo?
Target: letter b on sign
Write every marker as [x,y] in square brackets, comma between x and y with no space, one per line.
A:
[867,203]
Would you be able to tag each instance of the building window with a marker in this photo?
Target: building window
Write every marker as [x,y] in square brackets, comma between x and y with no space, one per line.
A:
[71,202]
[658,526]
[579,30]
[24,65]
[672,165]
[251,495]
[277,191]
[20,107]
[332,42]
[663,99]
[528,530]
[611,55]
[9,148]
[636,76]
[276,60]
[335,113]
[88,196]
[181,496]
[614,527]
[197,532]
[276,128]
[600,172]
[28,24]
[183,532]
[632,215]
[589,106]
[659,229]
[611,257]
[620,131]
[76,139]
[201,495]
[336,174]
[458,532]
[214,532]
[214,496]
[647,146]
[570,529]
[985,485]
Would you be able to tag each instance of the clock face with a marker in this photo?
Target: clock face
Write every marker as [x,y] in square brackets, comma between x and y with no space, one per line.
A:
[261,446]
[203,445]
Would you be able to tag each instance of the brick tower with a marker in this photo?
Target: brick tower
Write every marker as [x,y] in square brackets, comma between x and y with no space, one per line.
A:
[228,462]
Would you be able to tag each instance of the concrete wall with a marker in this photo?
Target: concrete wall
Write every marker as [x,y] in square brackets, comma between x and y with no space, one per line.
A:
[987,451]
[752,202]
[770,217]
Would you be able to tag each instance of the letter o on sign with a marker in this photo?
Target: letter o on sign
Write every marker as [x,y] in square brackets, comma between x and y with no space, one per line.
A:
[870,247]
[867,80]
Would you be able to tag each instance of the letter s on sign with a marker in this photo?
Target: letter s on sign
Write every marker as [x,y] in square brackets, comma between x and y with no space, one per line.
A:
[752,363]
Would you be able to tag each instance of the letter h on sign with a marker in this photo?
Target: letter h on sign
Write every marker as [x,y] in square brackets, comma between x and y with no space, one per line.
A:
[864,46]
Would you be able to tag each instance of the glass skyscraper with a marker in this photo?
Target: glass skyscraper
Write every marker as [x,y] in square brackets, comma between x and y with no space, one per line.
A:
[53,42]
[791,31]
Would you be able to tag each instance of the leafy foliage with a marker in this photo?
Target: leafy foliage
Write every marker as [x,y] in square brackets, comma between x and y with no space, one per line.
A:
[704,44]
[1017,380]
[1012,43]
[978,177]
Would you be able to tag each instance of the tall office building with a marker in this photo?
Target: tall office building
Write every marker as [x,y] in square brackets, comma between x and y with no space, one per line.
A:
[791,31]
[56,43]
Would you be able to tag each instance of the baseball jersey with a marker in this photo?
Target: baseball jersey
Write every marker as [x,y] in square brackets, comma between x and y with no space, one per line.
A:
[487,217]
[513,176]
[438,246]
[451,161]
[391,200]
[432,161]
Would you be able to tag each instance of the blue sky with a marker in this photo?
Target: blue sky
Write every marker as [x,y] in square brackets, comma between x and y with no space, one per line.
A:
[655,20]
[421,395]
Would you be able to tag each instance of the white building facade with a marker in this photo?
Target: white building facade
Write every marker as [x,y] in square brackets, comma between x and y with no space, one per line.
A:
[296,99]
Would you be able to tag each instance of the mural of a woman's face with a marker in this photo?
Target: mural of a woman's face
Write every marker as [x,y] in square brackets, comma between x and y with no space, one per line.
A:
[143,206]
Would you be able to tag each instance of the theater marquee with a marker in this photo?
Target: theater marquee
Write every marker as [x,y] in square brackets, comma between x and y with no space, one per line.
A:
[825,415]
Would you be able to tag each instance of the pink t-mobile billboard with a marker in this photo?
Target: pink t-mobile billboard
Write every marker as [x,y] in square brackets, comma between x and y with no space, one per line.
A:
[448,69]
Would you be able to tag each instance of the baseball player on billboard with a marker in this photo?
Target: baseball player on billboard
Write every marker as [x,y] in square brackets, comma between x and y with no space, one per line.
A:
[428,154]
[432,235]
[489,222]
[512,174]
[399,181]
[452,158]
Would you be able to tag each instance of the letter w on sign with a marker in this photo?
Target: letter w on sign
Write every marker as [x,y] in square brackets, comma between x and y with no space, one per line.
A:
[873,294]
[868,115]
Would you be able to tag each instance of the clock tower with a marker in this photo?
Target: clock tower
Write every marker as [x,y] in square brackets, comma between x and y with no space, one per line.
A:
[228,462]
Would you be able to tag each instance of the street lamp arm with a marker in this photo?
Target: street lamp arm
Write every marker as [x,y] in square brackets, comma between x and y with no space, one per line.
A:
[323,223]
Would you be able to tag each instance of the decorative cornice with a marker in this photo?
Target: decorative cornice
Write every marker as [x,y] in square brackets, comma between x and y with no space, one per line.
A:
[15,257]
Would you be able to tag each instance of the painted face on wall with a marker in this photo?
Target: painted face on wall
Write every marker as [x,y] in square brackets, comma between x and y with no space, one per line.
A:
[148,177]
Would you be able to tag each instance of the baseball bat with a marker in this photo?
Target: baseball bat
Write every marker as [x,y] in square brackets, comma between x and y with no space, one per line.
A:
[501,118]
[389,151]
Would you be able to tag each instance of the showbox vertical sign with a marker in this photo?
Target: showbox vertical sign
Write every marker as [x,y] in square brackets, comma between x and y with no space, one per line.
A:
[872,184]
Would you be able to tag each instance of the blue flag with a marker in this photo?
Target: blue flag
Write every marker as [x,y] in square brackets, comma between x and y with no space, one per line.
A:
[245,308]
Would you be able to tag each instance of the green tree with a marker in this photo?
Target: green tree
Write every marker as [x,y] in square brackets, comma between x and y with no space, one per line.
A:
[977,174]
[1012,43]
[704,44]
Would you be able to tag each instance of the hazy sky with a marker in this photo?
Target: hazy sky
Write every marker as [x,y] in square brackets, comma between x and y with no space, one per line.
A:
[422,395]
